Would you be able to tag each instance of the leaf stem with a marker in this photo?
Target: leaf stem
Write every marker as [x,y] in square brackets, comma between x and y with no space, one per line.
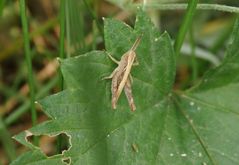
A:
[94,40]
[182,6]
[62,55]
[187,21]
[93,15]
[2,3]
[29,63]
[193,59]
[62,38]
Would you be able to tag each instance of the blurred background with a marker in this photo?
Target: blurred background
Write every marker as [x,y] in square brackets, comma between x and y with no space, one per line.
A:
[203,48]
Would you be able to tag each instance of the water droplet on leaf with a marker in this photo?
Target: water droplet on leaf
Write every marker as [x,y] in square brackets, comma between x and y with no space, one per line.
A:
[200,154]
[192,103]
[183,155]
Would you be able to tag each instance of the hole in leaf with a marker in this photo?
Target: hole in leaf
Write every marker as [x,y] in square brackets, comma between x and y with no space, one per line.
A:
[49,144]
[67,160]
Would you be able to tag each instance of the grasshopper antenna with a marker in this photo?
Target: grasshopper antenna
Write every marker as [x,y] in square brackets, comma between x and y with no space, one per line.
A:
[136,43]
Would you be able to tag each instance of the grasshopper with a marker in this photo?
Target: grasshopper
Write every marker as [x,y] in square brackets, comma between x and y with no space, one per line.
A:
[121,78]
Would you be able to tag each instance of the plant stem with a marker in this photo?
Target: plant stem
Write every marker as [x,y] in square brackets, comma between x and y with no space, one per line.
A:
[62,38]
[173,6]
[62,55]
[191,9]
[68,35]
[194,62]
[93,15]
[2,3]
[82,33]
[94,40]
[29,63]
[94,26]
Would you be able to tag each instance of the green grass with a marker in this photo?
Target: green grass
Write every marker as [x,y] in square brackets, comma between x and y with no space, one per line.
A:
[83,85]
[62,38]
[28,62]
[193,58]
[2,3]
[186,24]
[73,31]
[93,15]
[62,56]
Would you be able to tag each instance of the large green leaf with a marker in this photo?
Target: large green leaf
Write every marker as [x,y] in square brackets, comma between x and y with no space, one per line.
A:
[194,127]
[213,107]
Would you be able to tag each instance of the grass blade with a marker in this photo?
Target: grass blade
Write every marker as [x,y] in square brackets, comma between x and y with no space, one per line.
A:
[187,21]
[62,55]
[2,3]
[193,58]
[29,62]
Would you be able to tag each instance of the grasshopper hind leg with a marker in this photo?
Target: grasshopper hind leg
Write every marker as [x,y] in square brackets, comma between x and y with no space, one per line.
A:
[129,95]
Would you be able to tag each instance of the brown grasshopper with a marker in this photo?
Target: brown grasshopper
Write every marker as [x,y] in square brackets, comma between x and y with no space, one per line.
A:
[121,78]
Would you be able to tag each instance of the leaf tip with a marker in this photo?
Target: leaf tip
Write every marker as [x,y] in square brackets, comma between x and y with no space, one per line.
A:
[165,33]
[28,133]
[59,60]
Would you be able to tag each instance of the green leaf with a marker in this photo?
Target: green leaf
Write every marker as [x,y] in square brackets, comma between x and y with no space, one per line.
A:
[228,72]
[213,107]
[193,127]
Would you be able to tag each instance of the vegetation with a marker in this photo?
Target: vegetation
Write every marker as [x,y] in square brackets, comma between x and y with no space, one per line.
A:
[185,86]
